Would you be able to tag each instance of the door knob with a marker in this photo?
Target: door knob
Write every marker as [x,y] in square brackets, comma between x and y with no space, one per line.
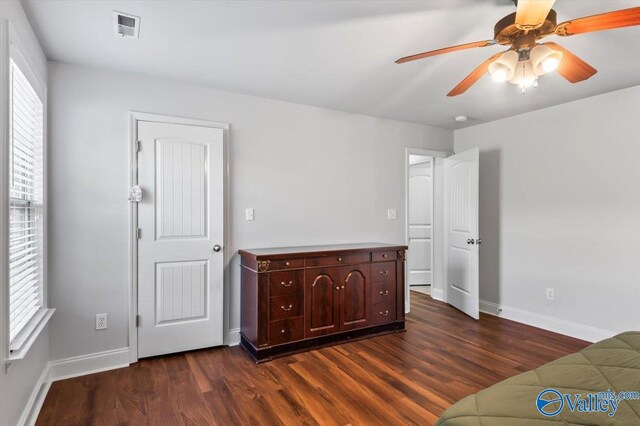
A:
[217,248]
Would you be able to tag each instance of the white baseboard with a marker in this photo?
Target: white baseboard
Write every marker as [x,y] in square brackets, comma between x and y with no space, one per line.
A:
[437,294]
[233,338]
[557,325]
[32,409]
[89,364]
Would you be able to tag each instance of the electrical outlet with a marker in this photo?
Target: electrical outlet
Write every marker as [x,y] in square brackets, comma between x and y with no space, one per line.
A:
[101,321]
[392,214]
[550,294]
[248,214]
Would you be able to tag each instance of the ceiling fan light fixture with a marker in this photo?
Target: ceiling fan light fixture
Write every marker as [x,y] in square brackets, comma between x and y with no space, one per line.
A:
[502,69]
[500,74]
[524,75]
[544,59]
[550,64]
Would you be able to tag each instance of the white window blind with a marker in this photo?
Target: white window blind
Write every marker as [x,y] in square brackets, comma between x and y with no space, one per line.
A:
[25,205]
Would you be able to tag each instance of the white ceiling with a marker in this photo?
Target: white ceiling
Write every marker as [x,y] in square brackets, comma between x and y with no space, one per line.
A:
[334,54]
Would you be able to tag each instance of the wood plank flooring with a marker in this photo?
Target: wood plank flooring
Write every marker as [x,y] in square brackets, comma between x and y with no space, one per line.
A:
[405,378]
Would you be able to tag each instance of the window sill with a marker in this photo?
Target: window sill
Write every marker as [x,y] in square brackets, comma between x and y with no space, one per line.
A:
[39,322]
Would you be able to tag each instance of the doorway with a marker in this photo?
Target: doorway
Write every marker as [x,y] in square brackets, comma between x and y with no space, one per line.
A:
[178,256]
[424,170]
[420,224]
[442,228]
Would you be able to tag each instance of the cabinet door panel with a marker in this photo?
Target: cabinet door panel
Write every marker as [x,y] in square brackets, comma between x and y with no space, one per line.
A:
[355,289]
[322,302]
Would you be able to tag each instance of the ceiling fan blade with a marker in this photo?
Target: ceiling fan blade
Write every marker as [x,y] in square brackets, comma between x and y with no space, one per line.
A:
[571,67]
[475,75]
[604,21]
[531,14]
[446,50]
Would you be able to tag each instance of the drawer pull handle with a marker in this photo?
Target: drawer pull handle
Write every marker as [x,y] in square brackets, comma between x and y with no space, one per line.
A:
[284,331]
[286,263]
[338,288]
[385,273]
[286,309]
[339,259]
[385,313]
[384,293]
[285,284]
[384,255]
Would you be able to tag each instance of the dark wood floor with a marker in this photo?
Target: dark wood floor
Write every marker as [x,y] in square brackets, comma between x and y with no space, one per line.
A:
[402,378]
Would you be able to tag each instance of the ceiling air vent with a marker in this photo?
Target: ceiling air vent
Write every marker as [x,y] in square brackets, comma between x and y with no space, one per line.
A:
[126,25]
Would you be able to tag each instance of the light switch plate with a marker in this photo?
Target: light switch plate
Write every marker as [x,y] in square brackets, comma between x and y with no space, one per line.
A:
[392,214]
[249,214]
[551,294]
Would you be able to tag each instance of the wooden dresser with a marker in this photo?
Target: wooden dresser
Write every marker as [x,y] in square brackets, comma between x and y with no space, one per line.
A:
[299,298]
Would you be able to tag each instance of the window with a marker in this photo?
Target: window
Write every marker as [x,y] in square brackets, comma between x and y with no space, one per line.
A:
[26,126]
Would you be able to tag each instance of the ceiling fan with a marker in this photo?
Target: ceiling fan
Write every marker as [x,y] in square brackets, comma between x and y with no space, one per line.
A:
[526,59]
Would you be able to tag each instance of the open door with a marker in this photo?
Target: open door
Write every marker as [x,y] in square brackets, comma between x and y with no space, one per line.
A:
[461,231]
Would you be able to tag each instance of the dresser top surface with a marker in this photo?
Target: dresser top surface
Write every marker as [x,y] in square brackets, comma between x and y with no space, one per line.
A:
[313,250]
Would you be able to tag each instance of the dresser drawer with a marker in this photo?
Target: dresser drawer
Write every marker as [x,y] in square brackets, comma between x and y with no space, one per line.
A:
[383,293]
[382,256]
[383,272]
[286,330]
[277,265]
[286,307]
[382,313]
[286,283]
[345,259]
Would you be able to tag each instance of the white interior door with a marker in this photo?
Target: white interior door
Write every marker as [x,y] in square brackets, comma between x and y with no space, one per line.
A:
[420,220]
[462,240]
[181,220]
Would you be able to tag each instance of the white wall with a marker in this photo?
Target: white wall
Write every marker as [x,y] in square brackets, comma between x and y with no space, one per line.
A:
[560,208]
[21,380]
[313,176]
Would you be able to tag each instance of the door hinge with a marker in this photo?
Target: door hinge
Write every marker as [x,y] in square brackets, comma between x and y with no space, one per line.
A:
[138,233]
[138,320]
[138,145]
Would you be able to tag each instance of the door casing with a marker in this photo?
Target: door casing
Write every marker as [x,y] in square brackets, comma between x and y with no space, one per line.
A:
[134,118]
[436,247]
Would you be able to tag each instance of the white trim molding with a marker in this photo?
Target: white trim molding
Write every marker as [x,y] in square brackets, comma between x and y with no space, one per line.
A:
[38,395]
[233,337]
[437,294]
[33,330]
[88,364]
[545,322]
